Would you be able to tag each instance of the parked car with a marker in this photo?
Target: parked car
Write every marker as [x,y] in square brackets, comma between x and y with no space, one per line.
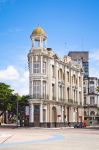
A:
[79,125]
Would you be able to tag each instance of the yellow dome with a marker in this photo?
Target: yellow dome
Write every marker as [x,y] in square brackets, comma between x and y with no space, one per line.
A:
[38,31]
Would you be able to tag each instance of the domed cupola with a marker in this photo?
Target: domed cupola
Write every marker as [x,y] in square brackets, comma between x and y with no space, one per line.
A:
[38,35]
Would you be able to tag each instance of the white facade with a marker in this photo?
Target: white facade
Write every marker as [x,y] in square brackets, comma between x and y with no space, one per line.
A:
[55,85]
[91,100]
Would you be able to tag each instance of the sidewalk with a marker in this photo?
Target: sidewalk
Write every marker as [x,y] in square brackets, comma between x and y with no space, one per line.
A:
[93,127]
[3,125]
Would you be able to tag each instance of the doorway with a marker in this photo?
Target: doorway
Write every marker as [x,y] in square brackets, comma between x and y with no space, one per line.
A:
[36,115]
[54,116]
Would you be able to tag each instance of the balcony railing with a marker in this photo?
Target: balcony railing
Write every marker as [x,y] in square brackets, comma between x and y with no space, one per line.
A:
[70,101]
[90,105]
[61,100]
[54,98]
[39,96]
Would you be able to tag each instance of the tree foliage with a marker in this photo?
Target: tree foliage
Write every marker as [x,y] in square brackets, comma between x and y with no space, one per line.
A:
[11,102]
[97,88]
[5,93]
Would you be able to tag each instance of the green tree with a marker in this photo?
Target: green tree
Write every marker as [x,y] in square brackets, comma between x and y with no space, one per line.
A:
[97,88]
[22,103]
[18,104]
[12,105]
[5,94]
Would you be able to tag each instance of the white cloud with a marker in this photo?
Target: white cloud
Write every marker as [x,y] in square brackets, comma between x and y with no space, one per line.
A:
[18,81]
[94,63]
[10,73]
[94,55]
[93,72]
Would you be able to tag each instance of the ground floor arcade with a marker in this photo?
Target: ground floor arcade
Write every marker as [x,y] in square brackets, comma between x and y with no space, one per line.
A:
[53,114]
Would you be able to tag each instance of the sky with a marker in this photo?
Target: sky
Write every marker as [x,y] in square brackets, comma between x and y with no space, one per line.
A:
[69,25]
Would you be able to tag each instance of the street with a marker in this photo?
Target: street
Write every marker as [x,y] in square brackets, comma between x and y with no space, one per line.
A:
[51,139]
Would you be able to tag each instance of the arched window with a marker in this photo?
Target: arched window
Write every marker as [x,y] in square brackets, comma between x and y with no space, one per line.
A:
[60,74]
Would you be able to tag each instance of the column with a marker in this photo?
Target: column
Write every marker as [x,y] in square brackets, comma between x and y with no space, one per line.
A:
[31,115]
[62,114]
[32,88]
[82,93]
[41,89]
[33,42]
[40,43]
[46,114]
[45,45]
[41,64]
[41,113]
[78,89]
[71,91]
[56,84]
[41,77]
[32,66]
[49,79]
[65,88]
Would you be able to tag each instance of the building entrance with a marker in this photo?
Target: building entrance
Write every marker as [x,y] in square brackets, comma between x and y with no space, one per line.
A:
[36,115]
[54,116]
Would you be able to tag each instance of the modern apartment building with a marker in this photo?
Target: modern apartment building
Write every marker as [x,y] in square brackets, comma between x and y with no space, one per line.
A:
[84,56]
[55,85]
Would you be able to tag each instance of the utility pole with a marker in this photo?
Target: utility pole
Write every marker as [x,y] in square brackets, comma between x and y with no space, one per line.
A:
[17,109]
[17,112]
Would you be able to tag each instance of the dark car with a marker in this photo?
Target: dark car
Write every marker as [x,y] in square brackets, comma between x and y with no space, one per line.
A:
[79,125]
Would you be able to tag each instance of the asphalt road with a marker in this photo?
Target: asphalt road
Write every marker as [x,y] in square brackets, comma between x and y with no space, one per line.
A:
[49,139]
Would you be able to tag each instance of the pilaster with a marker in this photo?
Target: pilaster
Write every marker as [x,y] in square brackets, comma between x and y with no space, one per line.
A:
[41,113]
[56,84]
[31,115]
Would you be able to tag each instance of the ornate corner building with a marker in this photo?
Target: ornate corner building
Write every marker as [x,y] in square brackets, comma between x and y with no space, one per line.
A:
[55,85]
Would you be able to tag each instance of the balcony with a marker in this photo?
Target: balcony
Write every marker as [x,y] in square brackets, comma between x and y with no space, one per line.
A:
[92,93]
[75,103]
[45,97]
[90,105]
[70,102]
[61,100]
[54,98]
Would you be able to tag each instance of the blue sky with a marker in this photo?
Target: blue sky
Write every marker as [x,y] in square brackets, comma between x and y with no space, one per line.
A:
[69,25]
